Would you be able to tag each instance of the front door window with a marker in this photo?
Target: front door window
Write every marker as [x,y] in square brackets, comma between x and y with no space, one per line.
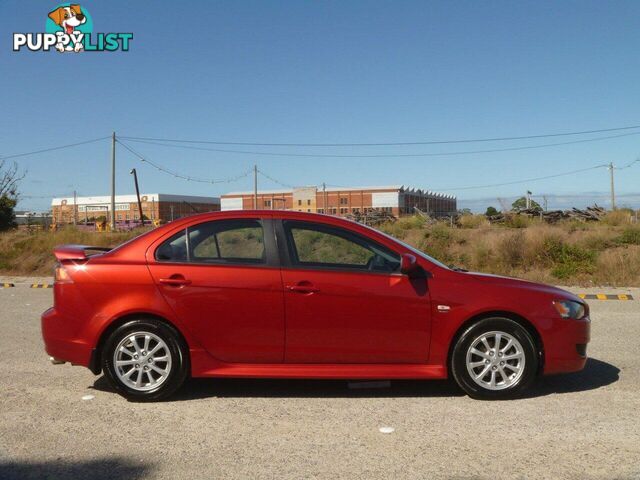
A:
[320,246]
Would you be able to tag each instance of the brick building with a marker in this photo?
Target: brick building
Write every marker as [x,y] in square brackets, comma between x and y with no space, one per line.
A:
[155,206]
[395,199]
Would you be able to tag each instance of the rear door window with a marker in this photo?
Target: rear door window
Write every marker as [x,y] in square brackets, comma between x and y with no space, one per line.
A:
[222,241]
[227,241]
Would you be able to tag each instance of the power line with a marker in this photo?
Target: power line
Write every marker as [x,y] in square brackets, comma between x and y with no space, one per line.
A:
[156,141]
[274,180]
[474,187]
[379,144]
[20,197]
[432,154]
[16,155]
[178,175]
[630,164]
[515,182]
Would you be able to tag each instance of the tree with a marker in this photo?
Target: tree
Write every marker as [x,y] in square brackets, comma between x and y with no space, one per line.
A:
[521,204]
[9,180]
[491,211]
[7,217]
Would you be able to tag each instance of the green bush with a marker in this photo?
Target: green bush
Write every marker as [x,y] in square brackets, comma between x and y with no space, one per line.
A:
[440,232]
[408,223]
[630,236]
[569,260]
[7,216]
[491,211]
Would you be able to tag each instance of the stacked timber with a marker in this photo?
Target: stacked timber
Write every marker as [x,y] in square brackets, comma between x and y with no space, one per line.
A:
[372,217]
[589,214]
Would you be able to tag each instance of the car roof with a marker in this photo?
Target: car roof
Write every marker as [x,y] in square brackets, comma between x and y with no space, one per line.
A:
[282,214]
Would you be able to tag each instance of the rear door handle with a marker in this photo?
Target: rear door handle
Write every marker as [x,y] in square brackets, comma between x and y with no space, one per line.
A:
[175,281]
[303,287]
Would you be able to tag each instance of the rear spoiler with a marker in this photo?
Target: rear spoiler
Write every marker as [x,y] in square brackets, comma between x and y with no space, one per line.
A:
[77,252]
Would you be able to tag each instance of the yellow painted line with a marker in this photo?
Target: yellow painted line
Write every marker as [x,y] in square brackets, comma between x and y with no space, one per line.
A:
[41,285]
[604,296]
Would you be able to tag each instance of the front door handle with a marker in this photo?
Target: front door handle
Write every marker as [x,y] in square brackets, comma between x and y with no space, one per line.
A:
[175,281]
[303,287]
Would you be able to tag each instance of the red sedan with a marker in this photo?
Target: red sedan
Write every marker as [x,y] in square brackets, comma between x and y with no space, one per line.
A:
[299,295]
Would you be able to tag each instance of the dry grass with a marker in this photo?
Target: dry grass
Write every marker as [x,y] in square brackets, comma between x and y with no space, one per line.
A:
[31,253]
[473,221]
[569,252]
[604,253]
[619,217]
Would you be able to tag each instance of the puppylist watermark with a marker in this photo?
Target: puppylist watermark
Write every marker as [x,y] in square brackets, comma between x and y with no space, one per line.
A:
[69,28]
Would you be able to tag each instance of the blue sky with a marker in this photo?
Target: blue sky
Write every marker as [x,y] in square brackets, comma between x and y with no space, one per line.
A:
[330,72]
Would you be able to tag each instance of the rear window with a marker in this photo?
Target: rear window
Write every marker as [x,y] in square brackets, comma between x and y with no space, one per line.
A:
[221,241]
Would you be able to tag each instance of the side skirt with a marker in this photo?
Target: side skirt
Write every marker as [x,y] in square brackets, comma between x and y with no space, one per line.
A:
[325,371]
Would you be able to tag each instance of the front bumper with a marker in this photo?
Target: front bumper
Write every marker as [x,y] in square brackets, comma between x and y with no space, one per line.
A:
[59,341]
[566,347]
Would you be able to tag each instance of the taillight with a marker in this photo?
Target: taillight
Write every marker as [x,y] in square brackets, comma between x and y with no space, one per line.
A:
[61,275]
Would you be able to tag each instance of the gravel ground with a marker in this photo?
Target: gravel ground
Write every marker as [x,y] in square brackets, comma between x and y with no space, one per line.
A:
[581,426]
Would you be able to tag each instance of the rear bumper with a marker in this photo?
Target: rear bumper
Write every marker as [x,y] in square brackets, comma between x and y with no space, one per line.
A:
[59,341]
[566,347]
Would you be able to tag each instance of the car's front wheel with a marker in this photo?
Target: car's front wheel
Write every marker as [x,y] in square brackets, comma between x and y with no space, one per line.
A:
[145,360]
[495,358]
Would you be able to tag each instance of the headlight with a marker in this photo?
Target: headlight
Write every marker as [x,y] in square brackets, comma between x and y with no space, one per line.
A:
[570,309]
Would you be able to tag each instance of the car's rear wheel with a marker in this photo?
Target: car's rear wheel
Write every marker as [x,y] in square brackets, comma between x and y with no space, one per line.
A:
[144,360]
[495,358]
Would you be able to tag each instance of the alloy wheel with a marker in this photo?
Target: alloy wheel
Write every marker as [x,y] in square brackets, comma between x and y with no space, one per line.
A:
[142,361]
[495,360]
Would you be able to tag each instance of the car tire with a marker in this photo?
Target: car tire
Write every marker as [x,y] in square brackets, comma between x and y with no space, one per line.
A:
[145,360]
[488,371]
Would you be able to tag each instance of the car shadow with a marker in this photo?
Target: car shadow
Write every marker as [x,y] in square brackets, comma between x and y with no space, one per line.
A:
[596,374]
[100,469]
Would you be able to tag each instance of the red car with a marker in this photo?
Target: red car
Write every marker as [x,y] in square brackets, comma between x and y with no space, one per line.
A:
[298,295]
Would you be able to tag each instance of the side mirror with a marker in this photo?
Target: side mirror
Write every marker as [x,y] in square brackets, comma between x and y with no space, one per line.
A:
[409,265]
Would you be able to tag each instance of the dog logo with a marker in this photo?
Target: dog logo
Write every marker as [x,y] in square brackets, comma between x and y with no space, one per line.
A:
[69,28]
[69,18]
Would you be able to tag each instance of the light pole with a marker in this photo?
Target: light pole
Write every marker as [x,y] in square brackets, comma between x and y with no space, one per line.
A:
[113,181]
[255,187]
[135,181]
[613,192]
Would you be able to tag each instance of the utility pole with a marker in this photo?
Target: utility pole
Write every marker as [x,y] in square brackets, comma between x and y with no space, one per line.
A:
[75,208]
[545,202]
[135,181]
[528,199]
[613,192]
[113,181]
[255,187]
[324,198]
